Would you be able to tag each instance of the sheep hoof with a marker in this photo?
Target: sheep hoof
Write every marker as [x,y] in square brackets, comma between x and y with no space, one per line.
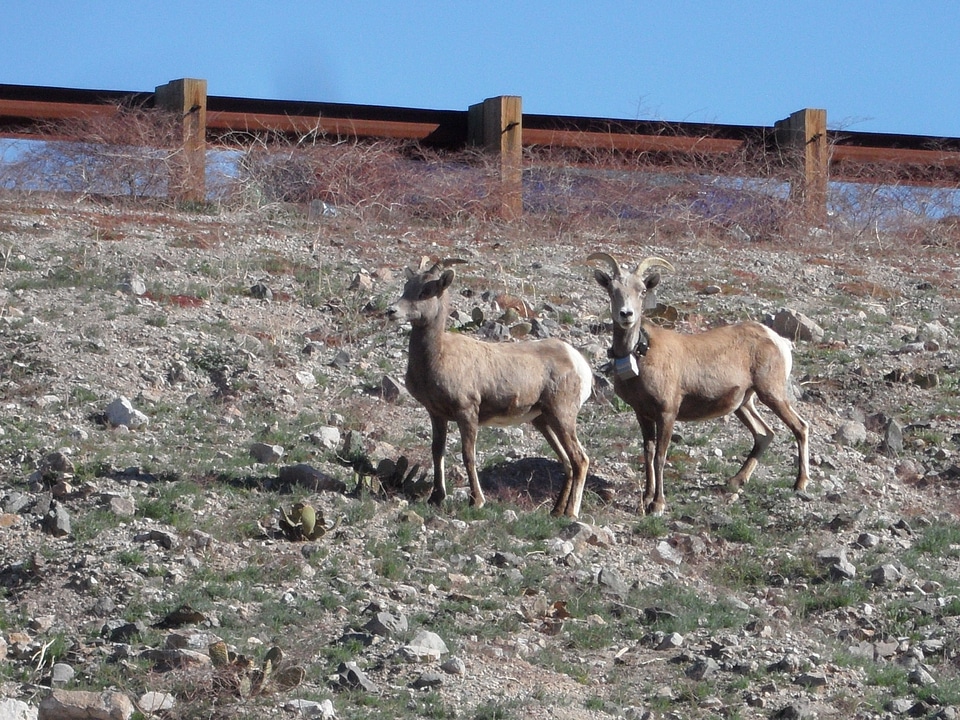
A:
[735,483]
[436,498]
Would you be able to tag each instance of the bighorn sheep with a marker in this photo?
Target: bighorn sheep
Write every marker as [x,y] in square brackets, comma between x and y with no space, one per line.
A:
[472,383]
[665,376]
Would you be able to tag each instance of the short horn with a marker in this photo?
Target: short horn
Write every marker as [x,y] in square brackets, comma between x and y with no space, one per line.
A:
[607,258]
[652,262]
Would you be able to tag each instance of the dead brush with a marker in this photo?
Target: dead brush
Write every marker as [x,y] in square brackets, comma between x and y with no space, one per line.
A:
[130,153]
[376,180]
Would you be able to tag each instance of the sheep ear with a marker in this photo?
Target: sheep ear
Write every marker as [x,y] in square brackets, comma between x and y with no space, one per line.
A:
[446,278]
[603,280]
[650,300]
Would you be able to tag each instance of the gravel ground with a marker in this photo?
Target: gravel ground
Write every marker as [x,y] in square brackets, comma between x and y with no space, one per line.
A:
[223,331]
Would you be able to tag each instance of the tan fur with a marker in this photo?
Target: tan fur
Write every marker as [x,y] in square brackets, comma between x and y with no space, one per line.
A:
[472,383]
[697,377]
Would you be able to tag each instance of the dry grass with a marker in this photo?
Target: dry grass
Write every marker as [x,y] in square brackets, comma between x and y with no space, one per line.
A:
[733,197]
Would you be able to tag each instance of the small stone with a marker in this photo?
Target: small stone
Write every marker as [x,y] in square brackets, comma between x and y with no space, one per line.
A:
[671,641]
[667,554]
[893,437]
[55,465]
[326,437]
[391,389]
[57,522]
[152,703]
[306,379]
[361,281]
[702,669]
[11,709]
[351,676]
[611,582]
[812,680]
[795,326]
[61,674]
[427,680]
[584,536]
[265,453]
[797,710]
[83,704]
[122,506]
[454,666]
[851,433]
[121,413]
[425,646]
[386,624]
[885,575]
[311,709]
[309,477]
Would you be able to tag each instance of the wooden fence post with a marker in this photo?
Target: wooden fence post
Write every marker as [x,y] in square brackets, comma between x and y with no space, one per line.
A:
[497,125]
[803,138]
[187,99]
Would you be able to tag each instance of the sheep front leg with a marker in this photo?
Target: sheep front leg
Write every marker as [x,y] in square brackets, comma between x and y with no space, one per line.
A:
[438,446]
[664,435]
[648,431]
[468,439]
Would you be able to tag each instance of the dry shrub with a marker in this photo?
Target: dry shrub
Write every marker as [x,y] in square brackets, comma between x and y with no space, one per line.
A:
[894,206]
[672,195]
[739,196]
[380,178]
[128,153]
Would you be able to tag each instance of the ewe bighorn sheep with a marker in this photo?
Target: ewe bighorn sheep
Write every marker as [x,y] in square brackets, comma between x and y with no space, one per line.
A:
[665,376]
[472,383]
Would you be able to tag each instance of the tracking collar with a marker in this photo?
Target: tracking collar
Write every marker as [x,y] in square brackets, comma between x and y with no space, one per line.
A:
[640,349]
[627,367]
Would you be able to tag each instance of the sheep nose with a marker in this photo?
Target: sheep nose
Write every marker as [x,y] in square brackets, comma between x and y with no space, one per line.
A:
[626,313]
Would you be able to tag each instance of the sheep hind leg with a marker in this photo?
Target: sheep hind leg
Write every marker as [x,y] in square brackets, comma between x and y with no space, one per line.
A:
[801,431]
[468,439]
[575,463]
[762,437]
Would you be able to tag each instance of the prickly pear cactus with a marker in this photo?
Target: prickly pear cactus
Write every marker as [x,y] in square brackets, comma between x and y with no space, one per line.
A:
[304,522]
[238,674]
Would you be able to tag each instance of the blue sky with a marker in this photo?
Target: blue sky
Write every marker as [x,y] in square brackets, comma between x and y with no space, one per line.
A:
[874,65]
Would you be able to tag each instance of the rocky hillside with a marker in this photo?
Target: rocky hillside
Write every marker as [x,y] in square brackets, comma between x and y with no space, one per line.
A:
[179,390]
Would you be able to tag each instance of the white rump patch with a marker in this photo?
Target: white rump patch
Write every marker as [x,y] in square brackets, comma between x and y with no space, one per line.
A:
[584,371]
[785,347]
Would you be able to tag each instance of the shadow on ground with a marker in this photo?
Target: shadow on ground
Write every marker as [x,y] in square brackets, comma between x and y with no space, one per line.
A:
[534,481]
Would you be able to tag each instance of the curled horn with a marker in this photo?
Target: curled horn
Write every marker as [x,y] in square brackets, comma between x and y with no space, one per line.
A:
[441,264]
[607,258]
[652,262]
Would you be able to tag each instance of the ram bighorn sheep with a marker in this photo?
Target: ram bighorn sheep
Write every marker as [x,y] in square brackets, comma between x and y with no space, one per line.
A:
[472,383]
[666,376]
